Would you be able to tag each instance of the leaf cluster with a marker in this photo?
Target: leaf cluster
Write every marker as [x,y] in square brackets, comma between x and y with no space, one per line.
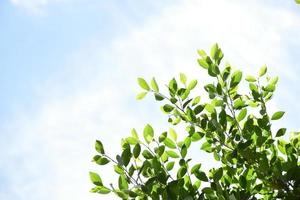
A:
[256,162]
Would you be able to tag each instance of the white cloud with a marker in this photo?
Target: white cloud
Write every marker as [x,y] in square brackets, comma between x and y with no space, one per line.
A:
[55,145]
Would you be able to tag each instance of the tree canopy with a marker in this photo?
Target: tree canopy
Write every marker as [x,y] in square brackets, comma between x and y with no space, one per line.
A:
[255,161]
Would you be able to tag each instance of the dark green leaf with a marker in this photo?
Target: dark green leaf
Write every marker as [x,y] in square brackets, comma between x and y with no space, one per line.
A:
[281,132]
[99,147]
[137,150]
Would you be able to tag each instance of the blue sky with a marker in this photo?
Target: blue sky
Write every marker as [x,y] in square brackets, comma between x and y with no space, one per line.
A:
[68,71]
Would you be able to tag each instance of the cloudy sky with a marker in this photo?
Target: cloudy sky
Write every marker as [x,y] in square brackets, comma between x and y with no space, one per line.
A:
[68,73]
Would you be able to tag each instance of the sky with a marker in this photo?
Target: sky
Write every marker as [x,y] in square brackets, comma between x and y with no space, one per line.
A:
[68,73]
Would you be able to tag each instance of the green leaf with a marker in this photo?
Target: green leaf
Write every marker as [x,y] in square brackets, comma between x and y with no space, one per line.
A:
[297,1]
[277,115]
[201,176]
[203,63]
[137,150]
[118,169]
[281,132]
[206,147]
[148,133]
[96,179]
[131,140]
[243,182]
[192,84]
[242,114]
[147,154]
[143,84]
[173,134]
[123,184]
[141,95]
[218,174]
[167,108]
[162,137]
[154,85]
[236,78]
[101,190]
[170,165]
[183,78]
[134,134]
[196,100]
[214,51]
[101,160]
[172,154]
[126,156]
[99,147]
[169,143]
[195,168]
[250,79]
[262,70]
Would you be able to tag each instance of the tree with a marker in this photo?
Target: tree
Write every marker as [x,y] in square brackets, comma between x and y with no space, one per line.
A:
[256,162]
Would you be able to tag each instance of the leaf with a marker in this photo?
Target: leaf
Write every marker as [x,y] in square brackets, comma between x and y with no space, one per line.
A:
[170,165]
[203,63]
[218,174]
[143,84]
[137,150]
[196,100]
[277,115]
[101,190]
[167,108]
[214,51]
[99,147]
[297,1]
[201,176]
[162,137]
[95,178]
[172,154]
[173,134]
[169,143]
[236,78]
[147,154]
[148,133]
[126,156]
[250,78]
[195,168]
[131,140]
[206,147]
[141,95]
[262,70]
[123,182]
[183,78]
[242,114]
[154,85]
[192,84]
[281,132]
[101,160]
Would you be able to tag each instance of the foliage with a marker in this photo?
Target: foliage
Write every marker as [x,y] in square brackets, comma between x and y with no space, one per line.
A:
[256,162]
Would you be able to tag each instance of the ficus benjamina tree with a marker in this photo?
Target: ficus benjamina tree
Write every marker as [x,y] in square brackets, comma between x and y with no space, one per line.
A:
[255,161]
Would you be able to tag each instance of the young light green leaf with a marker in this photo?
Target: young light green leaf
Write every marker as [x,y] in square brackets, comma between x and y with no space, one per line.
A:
[96,179]
[196,100]
[141,95]
[173,134]
[262,70]
[143,84]
[170,165]
[154,85]
[192,84]
[101,190]
[123,184]
[250,78]
[148,133]
[183,78]
[277,115]
[172,154]
[242,114]
[214,51]
[169,143]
